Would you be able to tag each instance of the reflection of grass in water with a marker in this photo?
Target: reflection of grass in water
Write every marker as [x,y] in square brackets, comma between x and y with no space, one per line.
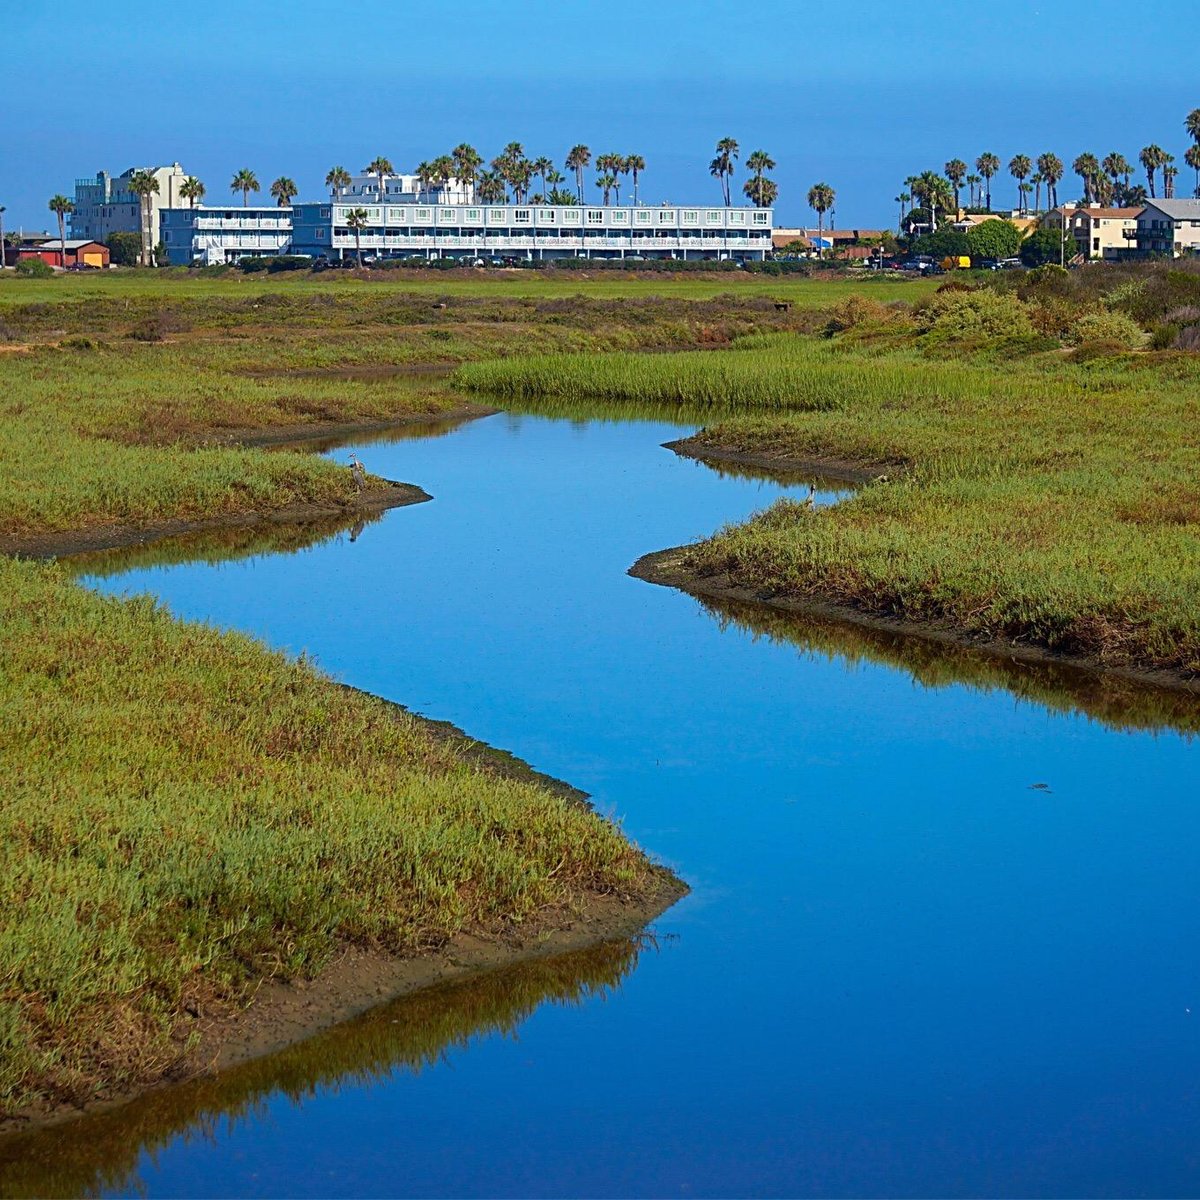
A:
[414,431]
[101,1153]
[216,546]
[1118,703]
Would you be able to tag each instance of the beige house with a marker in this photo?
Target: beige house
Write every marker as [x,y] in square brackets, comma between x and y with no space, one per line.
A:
[968,221]
[1101,232]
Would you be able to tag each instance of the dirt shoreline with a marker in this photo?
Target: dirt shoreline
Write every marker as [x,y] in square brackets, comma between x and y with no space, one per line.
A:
[666,567]
[356,980]
[114,537]
[842,470]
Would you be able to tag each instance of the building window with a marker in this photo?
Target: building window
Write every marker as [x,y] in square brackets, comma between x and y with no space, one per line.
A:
[666,216]
[595,216]
[737,218]
[320,235]
[423,214]
[447,214]
[472,214]
[691,216]
[495,216]
[522,215]
[712,216]
[642,216]
[620,216]
[761,218]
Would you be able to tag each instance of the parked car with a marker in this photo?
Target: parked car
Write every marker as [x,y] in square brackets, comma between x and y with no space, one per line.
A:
[1010,264]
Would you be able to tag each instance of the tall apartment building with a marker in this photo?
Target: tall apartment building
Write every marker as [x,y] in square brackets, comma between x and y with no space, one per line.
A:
[105,205]
[532,231]
[210,236]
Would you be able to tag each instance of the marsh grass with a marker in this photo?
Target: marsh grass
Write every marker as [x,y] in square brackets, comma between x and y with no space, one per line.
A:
[1030,497]
[185,812]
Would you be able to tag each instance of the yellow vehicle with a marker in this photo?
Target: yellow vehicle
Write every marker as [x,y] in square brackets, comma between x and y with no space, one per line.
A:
[956,262]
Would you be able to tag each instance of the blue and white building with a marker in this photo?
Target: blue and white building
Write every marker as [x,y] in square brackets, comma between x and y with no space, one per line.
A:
[406,220]
[542,231]
[206,236]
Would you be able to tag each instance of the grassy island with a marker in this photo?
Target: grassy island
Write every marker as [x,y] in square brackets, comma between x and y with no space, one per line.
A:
[1038,476]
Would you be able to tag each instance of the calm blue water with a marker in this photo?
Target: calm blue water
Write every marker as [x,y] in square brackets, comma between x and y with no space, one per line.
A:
[902,970]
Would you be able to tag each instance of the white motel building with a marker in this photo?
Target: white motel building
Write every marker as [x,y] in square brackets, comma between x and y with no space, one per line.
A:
[447,223]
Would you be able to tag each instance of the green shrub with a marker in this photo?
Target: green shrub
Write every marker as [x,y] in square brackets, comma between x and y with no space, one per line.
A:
[1111,327]
[982,315]
[124,249]
[1162,337]
[35,268]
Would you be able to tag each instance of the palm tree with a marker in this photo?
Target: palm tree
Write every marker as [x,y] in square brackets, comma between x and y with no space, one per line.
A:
[357,219]
[973,182]
[245,181]
[381,168]
[577,158]
[1087,167]
[937,194]
[443,172]
[191,189]
[636,164]
[467,161]
[337,181]
[491,188]
[284,190]
[1117,166]
[902,200]
[606,183]
[760,191]
[1024,189]
[425,176]
[956,172]
[1052,169]
[1192,158]
[1169,172]
[1037,179]
[144,185]
[542,166]
[1192,124]
[759,161]
[987,165]
[722,166]
[821,199]
[1152,157]
[556,195]
[60,206]
[1019,167]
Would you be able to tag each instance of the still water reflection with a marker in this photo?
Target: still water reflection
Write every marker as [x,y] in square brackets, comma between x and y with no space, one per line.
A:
[944,927]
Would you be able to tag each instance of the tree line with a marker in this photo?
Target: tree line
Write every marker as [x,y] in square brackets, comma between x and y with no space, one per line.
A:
[1107,181]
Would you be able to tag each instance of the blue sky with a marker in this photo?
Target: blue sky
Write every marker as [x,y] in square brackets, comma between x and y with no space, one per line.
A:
[859,95]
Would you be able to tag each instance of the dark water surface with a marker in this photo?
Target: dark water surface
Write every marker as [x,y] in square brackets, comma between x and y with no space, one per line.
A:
[944,937]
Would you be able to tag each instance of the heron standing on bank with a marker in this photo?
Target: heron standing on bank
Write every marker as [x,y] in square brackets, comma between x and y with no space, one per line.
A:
[357,473]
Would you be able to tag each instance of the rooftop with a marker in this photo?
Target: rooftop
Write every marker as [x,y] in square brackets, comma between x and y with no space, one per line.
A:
[1178,210]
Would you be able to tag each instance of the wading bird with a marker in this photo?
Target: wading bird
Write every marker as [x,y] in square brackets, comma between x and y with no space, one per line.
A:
[810,501]
[357,473]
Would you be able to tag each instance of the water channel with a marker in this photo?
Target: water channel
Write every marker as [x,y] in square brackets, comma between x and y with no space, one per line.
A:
[944,932]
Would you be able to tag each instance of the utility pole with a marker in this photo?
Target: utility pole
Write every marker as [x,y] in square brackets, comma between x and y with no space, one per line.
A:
[3,252]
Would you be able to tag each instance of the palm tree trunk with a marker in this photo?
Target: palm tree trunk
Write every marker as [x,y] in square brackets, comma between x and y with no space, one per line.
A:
[358,246]
[62,243]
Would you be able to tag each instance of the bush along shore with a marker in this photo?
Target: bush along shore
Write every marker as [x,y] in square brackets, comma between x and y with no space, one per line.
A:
[1032,460]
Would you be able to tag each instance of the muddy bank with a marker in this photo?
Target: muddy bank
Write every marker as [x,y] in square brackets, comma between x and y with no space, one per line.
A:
[111,537]
[356,980]
[836,469]
[668,567]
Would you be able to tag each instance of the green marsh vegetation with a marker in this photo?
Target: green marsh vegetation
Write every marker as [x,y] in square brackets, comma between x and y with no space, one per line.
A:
[186,812]
[1034,492]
